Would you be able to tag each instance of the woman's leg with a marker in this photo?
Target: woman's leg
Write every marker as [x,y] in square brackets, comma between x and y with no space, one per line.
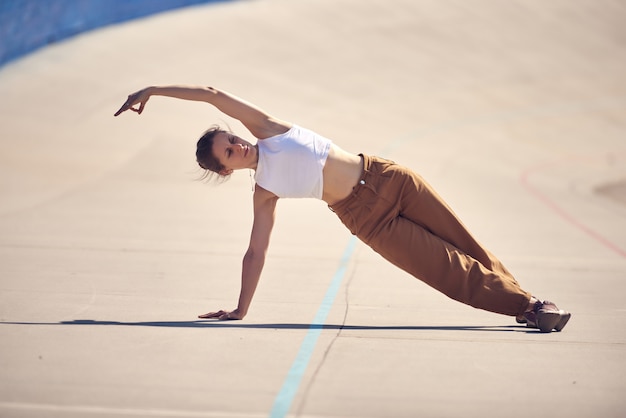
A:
[448,269]
[397,214]
[421,204]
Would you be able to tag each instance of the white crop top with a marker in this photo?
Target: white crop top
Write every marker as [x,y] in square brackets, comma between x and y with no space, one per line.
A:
[291,164]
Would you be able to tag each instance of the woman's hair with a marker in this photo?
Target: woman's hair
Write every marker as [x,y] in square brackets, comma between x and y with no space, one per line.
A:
[204,154]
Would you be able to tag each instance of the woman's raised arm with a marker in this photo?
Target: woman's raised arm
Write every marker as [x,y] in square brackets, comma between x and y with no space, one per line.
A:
[259,123]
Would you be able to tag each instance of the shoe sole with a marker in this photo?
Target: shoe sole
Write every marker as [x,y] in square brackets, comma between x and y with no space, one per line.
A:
[549,320]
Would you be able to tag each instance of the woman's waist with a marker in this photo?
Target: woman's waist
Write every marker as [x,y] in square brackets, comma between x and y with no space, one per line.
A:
[341,173]
[375,175]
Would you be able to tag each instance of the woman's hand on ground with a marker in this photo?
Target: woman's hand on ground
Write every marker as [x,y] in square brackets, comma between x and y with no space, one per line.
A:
[223,315]
[140,97]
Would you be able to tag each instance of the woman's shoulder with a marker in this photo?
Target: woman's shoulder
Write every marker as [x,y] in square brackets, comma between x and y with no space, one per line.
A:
[276,127]
[261,195]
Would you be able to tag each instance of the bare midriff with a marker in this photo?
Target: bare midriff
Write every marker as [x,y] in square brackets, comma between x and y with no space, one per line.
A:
[341,173]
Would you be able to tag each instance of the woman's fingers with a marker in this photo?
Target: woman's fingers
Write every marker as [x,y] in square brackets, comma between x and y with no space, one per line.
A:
[212,315]
[122,109]
[222,315]
[125,107]
[133,99]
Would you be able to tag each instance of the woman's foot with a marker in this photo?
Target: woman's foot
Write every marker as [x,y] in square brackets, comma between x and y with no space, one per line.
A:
[546,316]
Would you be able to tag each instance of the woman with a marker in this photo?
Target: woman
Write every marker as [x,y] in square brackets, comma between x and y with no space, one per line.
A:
[389,207]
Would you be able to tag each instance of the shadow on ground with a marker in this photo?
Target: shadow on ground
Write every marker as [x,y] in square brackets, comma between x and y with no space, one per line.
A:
[290,326]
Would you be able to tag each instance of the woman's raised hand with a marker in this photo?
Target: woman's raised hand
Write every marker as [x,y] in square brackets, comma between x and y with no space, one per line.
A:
[140,97]
[223,315]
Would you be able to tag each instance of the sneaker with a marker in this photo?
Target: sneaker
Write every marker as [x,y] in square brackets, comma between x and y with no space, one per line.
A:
[547,317]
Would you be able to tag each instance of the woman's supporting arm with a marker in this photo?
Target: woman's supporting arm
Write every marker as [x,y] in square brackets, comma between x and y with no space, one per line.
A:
[254,260]
[257,121]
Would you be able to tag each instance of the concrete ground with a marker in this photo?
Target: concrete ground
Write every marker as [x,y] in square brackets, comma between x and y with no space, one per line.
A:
[109,249]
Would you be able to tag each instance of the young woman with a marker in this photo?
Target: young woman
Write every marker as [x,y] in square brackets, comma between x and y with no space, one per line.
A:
[387,206]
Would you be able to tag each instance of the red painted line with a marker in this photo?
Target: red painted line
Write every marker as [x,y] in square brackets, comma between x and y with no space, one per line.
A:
[564,214]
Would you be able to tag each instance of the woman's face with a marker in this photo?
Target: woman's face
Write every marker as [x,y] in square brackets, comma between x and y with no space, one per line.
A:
[234,153]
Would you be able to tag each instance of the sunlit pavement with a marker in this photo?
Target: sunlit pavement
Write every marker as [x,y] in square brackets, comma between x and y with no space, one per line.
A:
[109,248]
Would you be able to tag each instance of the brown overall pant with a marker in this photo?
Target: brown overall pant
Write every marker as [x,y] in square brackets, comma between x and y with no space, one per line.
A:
[396,213]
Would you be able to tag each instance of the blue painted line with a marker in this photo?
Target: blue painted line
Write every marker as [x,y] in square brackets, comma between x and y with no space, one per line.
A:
[284,399]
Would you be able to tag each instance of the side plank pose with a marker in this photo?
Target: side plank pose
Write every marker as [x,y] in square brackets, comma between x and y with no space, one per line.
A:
[387,206]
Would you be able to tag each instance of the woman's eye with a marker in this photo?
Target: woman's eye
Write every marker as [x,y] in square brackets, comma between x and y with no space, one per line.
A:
[229,152]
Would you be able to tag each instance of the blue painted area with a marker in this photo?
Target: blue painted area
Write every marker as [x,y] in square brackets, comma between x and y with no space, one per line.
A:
[26,25]
[290,387]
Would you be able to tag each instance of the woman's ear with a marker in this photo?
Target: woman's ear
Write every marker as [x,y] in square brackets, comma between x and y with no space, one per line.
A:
[226,172]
